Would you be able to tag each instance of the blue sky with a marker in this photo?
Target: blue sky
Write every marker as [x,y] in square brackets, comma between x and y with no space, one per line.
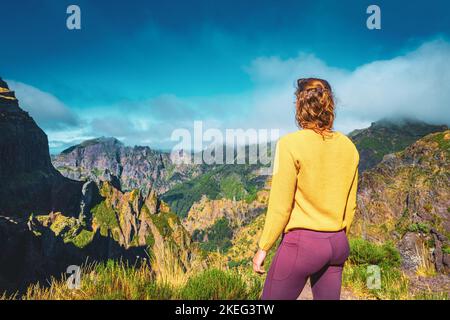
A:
[140,69]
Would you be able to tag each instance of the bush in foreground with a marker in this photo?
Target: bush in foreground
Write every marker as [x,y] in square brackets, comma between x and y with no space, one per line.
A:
[214,284]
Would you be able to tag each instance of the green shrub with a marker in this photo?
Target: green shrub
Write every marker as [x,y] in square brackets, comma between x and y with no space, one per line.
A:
[83,238]
[159,291]
[419,227]
[150,240]
[104,215]
[215,284]
[363,252]
[443,143]
[394,285]
[161,221]
[219,236]
[114,280]
[255,285]
[235,264]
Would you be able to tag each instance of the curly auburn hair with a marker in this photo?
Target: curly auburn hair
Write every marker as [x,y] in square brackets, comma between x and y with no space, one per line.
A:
[314,105]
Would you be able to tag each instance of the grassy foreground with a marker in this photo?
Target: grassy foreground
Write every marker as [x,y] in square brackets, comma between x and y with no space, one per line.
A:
[114,280]
[165,279]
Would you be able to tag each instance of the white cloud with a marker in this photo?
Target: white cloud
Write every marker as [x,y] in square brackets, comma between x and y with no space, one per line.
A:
[59,140]
[414,85]
[47,110]
[272,70]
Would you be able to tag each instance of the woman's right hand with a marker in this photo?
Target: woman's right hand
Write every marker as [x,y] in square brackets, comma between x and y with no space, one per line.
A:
[258,261]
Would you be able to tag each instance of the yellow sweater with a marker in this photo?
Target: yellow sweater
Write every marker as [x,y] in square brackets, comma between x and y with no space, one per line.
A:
[314,185]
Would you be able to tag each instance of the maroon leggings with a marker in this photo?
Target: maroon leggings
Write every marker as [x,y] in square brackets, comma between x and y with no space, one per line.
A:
[305,254]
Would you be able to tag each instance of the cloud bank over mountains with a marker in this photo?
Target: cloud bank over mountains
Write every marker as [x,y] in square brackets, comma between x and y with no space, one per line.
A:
[414,85]
[48,111]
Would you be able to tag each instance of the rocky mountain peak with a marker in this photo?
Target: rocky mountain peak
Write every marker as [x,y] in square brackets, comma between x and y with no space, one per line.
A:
[99,144]
[8,100]
[3,84]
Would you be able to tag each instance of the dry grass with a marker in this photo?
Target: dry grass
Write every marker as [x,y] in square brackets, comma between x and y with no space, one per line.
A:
[109,281]
[426,266]
[167,266]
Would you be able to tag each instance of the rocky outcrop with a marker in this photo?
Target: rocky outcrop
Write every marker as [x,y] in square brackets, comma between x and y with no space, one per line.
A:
[129,216]
[130,220]
[89,198]
[30,184]
[118,226]
[206,212]
[8,99]
[408,248]
[406,199]
[20,257]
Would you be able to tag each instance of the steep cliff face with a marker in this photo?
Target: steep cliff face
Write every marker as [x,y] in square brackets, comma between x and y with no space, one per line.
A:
[213,223]
[30,184]
[388,136]
[204,213]
[128,220]
[406,199]
[135,167]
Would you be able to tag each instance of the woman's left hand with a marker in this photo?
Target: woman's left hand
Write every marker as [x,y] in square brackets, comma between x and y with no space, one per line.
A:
[258,261]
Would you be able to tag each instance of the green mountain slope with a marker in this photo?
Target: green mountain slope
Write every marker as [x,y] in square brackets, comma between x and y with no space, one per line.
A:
[388,136]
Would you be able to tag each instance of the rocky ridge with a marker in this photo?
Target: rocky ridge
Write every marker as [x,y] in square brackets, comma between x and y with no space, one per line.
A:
[406,199]
[134,167]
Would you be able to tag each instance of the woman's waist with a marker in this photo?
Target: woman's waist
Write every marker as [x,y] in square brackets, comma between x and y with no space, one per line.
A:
[315,220]
[314,233]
